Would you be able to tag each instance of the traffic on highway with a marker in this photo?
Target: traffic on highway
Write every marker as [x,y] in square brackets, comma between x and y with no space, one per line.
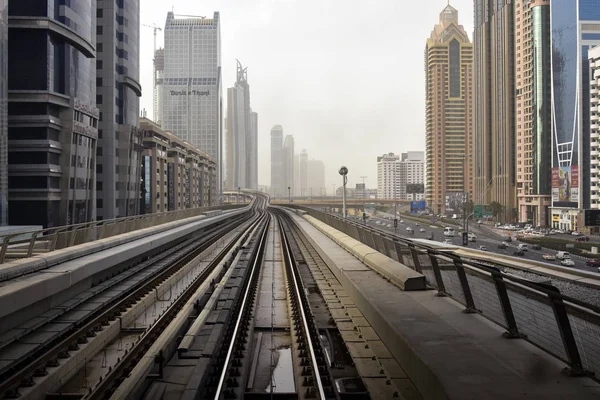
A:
[483,238]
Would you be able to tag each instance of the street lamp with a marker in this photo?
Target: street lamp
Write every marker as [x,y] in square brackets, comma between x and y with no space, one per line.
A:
[364,200]
[290,194]
[239,195]
[344,173]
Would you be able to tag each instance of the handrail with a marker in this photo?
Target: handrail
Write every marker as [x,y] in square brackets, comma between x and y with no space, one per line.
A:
[572,317]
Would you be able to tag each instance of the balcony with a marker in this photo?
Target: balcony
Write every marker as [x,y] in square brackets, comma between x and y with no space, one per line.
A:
[595,179]
[595,152]
[595,197]
[595,117]
[594,90]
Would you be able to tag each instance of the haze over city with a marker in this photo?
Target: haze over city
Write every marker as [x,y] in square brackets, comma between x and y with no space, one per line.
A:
[346,78]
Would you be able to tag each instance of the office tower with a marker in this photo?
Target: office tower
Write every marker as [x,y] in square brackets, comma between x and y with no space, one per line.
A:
[303,173]
[117,96]
[316,178]
[288,164]
[191,100]
[449,111]
[241,137]
[296,187]
[277,162]
[594,56]
[575,30]
[54,128]
[388,176]
[494,95]
[159,72]
[411,176]
[533,112]
[3,113]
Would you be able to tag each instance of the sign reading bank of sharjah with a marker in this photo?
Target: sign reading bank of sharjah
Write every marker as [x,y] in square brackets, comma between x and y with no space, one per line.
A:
[189,92]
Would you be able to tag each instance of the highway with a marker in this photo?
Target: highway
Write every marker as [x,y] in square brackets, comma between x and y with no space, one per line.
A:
[484,238]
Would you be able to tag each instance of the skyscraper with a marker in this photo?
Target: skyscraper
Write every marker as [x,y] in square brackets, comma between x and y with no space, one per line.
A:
[533,111]
[288,163]
[316,178]
[277,161]
[118,91]
[159,72]
[402,177]
[494,94]
[303,173]
[3,113]
[52,139]
[191,101]
[242,160]
[574,31]
[449,111]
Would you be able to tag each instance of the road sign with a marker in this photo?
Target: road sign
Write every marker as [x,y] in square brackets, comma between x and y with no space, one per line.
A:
[395,222]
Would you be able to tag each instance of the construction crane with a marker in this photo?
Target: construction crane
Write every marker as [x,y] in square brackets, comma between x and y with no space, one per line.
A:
[154,94]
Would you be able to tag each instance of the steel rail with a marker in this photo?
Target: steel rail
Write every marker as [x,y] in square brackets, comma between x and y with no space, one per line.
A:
[236,330]
[289,258]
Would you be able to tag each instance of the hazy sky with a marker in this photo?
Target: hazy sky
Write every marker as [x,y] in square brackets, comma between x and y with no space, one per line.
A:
[345,77]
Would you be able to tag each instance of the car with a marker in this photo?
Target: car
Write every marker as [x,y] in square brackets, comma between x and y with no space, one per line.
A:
[417,224]
[378,222]
[480,222]
[422,230]
[575,233]
[502,246]
[409,229]
[567,262]
[536,247]
[389,225]
[472,237]
[401,221]
[447,241]
[549,257]
[519,253]
[593,263]
[483,248]
[561,255]
[522,246]
[583,239]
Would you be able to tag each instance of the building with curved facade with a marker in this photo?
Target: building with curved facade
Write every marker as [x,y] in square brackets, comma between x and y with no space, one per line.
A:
[52,114]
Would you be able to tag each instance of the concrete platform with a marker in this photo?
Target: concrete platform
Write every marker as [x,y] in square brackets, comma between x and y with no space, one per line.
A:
[446,353]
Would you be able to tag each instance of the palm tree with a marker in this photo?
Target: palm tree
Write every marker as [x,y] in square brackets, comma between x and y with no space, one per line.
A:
[496,208]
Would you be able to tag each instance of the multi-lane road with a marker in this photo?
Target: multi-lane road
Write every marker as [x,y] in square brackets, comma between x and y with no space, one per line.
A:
[485,237]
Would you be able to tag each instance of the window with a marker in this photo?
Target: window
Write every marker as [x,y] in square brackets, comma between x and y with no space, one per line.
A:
[98,99]
[98,185]
[99,47]
[98,64]
[99,168]
[99,151]
[99,203]
[99,30]
[99,13]
[99,82]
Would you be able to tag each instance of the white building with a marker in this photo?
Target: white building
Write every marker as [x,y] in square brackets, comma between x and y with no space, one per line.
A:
[288,164]
[395,173]
[316,178]
[191,102]
[594,56]
[277,162]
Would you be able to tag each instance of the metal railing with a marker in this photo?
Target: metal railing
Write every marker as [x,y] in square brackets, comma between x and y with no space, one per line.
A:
[567,328]
[50,239]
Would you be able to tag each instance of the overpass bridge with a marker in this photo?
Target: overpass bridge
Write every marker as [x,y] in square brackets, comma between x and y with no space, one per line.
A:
[258,301]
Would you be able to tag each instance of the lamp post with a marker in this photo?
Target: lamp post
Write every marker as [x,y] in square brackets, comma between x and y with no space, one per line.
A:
[239,195]
[290,194]
[344,173]
[364,200]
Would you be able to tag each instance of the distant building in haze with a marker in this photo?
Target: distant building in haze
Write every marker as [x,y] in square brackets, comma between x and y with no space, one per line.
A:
[191,101]
[288,164]
[241,135]
[449,111]
[401,177]
[494,102]
[316,178]
[303,173]
[277,162]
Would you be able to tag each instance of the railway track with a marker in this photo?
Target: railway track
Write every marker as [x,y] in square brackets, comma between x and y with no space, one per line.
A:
[34,368]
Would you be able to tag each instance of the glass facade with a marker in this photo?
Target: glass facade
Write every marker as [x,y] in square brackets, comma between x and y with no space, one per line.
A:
[3,113]
[51,180]
[191,99]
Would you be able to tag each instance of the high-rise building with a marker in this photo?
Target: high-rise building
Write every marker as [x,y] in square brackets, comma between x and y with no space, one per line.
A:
[296,188]
[575,29]
[52,108]
[533,111]
[303,173]
[594,56]
[494,113]
[191,101]
[159,72]
[288,163]
[449,111]
[316,178]
[388,186]
[277,161]
[241,137]
[3,112]
[401,177]
[117,96]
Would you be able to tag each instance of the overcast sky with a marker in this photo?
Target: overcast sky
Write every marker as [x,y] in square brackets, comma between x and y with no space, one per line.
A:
[345,77]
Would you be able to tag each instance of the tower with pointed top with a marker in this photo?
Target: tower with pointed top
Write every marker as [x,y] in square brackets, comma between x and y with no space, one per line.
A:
[448,110]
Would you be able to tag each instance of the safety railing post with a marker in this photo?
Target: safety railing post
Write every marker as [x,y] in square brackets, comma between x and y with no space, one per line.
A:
[31,244]
[464,283]
[4,248]
[435,265]
[511,323]
[415,256]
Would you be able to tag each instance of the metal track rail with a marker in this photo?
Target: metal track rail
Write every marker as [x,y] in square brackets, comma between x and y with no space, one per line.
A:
[246,303]
[22,372]
[300,300]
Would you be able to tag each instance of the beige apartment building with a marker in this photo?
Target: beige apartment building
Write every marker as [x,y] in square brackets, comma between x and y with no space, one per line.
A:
[494,108]
[175,174]
[533,112]
[449,113]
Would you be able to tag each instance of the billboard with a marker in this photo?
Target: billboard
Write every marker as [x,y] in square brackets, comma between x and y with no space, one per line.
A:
[591,217]
[454,202]
[480,211]
[417,206]
[415,188]
[565,186]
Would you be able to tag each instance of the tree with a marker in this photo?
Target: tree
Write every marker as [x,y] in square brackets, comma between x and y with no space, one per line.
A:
[496,208]
[469,207]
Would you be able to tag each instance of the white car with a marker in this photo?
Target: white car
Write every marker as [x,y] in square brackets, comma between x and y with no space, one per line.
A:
[389,225]
[417,224]
[447,241]
[483,248]
[575,233]
[401,221]
[378,222]
[409,229]
[567,262]
[422,230]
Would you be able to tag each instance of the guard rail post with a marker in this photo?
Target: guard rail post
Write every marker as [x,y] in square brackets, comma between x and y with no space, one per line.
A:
[73,236]
[464,283]
[438,275]
[31,244]
[415,257]
[4,248]
[566,332]
[511,323]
